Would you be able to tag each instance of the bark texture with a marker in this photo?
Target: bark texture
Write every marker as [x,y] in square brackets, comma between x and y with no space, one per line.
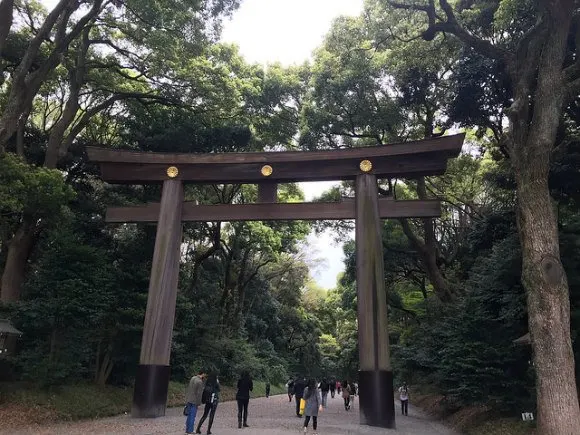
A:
[17,260]
[543,275]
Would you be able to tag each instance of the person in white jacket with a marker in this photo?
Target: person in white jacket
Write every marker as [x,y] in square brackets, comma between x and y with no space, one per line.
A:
[404,398]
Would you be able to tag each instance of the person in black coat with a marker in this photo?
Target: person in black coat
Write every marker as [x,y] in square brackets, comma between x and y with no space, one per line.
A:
[332,387]
[299,386]
[324,389]
[210,397]
[245,385]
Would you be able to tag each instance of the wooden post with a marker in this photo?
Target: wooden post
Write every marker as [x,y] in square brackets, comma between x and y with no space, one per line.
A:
[268,192]
[377,406]
[152,380]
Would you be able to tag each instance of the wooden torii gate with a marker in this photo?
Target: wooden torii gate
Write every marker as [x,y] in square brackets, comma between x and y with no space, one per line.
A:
[267,169]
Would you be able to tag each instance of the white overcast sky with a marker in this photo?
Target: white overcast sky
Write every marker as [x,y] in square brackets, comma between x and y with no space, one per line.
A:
[287,31]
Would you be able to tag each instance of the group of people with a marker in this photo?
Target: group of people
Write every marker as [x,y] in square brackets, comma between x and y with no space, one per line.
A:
[204,389]
[315,396]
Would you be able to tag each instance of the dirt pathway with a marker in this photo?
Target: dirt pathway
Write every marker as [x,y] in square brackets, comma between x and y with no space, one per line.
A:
[271,416]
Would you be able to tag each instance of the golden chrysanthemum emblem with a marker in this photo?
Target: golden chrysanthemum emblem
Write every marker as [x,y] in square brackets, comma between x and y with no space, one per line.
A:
[172,172]
[366,165]
[266,170]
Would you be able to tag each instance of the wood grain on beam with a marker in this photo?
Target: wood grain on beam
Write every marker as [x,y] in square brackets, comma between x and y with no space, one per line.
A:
[403,160]
[410,166]
[448,145]
[268,192]
[191,212]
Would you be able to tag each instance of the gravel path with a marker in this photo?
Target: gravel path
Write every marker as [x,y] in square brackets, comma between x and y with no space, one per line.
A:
[271,416]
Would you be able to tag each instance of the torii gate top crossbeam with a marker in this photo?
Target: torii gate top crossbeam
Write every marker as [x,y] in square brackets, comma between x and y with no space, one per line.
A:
[409,159]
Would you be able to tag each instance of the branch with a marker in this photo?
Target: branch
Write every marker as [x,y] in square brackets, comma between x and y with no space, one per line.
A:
[451,25]
[413,238]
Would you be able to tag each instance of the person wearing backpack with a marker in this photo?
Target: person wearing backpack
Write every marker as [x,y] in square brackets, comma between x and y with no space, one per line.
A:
[210,398]
[404,398]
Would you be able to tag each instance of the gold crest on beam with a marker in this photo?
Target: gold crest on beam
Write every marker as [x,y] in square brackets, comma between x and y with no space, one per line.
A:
[266,170]
[172,172]
[366,165]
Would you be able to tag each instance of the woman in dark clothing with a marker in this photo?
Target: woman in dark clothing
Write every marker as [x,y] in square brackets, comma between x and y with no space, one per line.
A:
[245,385]
[210,397]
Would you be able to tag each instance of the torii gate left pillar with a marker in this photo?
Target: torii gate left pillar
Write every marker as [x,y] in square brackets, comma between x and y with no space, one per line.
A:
[152,380]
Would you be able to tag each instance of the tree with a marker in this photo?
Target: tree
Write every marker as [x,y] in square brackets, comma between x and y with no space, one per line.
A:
[67,70]
[531,44]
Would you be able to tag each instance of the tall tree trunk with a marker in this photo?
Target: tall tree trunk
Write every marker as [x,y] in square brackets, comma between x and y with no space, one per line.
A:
[548,307]
[543,275]
[17,256]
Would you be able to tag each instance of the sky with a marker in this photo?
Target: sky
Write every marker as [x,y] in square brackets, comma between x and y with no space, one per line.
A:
[288,31]
[285,31]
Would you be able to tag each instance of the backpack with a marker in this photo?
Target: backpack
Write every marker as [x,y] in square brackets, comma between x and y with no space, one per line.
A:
[207,394]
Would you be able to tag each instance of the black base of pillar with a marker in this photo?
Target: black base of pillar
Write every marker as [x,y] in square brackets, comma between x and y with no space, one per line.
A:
[376,398]
[150,393]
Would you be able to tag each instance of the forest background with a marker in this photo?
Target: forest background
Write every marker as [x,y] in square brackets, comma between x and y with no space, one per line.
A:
[152,76]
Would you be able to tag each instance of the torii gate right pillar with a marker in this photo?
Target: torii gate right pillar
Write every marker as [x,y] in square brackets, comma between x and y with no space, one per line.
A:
[377,403]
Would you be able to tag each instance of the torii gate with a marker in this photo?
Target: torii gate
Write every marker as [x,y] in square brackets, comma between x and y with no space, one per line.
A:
[267,169]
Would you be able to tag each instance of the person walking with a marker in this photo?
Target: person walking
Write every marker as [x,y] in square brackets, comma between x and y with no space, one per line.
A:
[193,395]
[267,389]
[324,389]
[352,391]
[332,388]
[245,385]
[404,398]
[346,395]
[313,405]
[299,386]
[290,386]
[210,398]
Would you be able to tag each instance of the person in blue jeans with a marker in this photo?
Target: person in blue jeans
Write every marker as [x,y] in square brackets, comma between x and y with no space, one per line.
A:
[193,395]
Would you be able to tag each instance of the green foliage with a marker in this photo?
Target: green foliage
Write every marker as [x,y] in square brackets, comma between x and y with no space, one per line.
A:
[31,190]
[467,349]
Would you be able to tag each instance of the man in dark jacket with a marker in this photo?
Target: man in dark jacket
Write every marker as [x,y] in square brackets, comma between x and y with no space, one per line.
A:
[299,386]
[324,388]
[245,385]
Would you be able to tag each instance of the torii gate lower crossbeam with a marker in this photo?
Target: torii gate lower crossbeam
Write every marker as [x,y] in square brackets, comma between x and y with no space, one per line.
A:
[399,160]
